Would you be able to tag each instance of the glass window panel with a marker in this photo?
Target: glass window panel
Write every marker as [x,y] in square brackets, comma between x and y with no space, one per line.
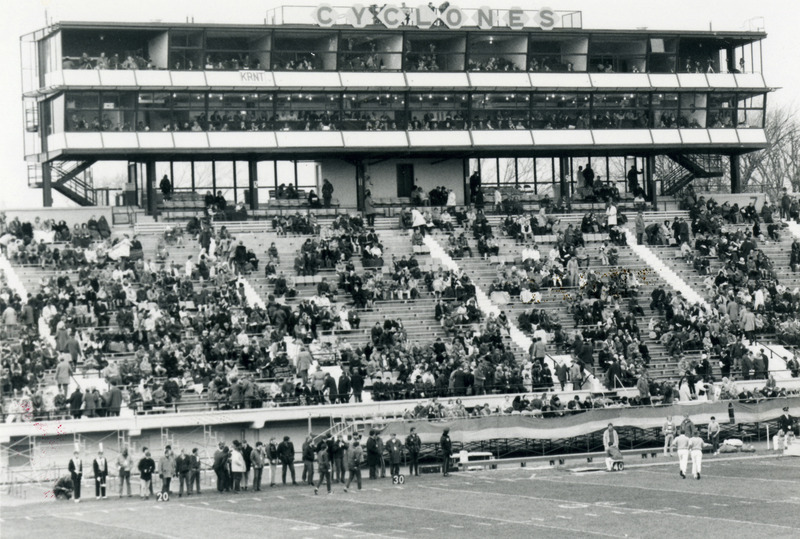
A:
[506,173]
[432,111]
[489,171]
[307,175]
[692,110]
[430,52]
[500,110]
[182,175]
[299,51]
[266,178]
[302,111]
[664,110]
[286,173]
[620,111]
[370,52]
[224,174]
[525,170]
[202,175]
[557,54]
[373,111]
[497,52]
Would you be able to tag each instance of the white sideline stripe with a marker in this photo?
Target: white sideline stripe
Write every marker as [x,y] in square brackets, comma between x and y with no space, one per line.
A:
[289,520]
[498,520]
[748,479]
[138,531]
[561,481]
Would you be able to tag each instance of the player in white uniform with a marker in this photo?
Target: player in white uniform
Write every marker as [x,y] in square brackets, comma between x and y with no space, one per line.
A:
[681,443]
[696,452]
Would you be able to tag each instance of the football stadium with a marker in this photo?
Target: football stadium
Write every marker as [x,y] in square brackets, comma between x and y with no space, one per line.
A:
[393,271]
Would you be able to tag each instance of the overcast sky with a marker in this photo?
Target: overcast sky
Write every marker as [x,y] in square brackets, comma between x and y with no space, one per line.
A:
[780,18]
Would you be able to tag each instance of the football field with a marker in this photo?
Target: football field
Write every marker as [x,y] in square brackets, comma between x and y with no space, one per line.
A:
[747,497]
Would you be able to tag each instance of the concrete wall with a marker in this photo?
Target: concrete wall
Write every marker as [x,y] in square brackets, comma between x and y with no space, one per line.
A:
[70,215]
[429,173]
[343,177]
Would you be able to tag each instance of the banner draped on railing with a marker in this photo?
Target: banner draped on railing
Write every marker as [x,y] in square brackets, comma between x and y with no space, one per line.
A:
[468,430]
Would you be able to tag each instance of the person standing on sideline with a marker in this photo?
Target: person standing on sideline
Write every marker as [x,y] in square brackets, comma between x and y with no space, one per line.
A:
[286,454]
[323,466]
[194,478]
[713,434]
[413,446]
[353,461]
[76,472]
[166,468]
[610,439]
[147,467]
[687,426]
[183,467]
[308,460]
[696,452]
[238,466]
[669,435]
[395,449]
[100,468]
[447,447]
[272,457]
[124,467]
[257,460]
[373,455]
[681,443]
[247,451]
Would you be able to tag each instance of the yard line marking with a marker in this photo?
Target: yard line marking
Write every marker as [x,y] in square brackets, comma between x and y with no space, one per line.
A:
[297,523]
[204,503]
[562,516]
[483,524]
[132,509]
[399,531]
[746,522]
[137,531]
[158,507]
[29,518]
[257,499]
[590,514]
[619,512]
[562,481]
[429,529]
[281,498]
[231,501]
[721,504]
[103,511]
[499,521]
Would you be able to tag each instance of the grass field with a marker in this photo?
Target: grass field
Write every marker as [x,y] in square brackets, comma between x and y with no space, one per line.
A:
[745,497]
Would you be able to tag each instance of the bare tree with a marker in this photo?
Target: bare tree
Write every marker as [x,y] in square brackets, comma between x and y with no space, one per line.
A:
[777,166]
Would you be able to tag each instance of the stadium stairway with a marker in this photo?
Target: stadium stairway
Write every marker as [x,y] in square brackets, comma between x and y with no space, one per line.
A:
[518,337]
[669,276]
[13,279]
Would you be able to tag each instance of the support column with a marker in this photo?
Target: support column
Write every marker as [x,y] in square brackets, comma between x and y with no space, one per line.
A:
[563,174]
[650,181]
[467,191]
[736,176]
[252,173]
[47,186]
[360,184]
[150,187]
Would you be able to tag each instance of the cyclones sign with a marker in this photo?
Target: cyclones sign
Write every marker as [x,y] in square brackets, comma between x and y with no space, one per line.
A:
[394,16]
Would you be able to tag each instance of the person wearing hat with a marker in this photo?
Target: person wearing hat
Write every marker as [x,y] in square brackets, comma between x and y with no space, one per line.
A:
[147,466]
[687,426]
[713,430]
[395,449]
[100,467]
[786,422]
[373,454]
[447,447]
[76,471]
[413,446]
[286,455]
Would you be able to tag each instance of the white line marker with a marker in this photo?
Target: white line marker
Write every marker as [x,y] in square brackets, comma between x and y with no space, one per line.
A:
[562,516]
[133,509]
[694,506]
[721,504]
[429,529]
[257,499]
[29,518]
[590,514]
[281,498]
[231,501]
[204,503]
[619,512]
[455,526]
